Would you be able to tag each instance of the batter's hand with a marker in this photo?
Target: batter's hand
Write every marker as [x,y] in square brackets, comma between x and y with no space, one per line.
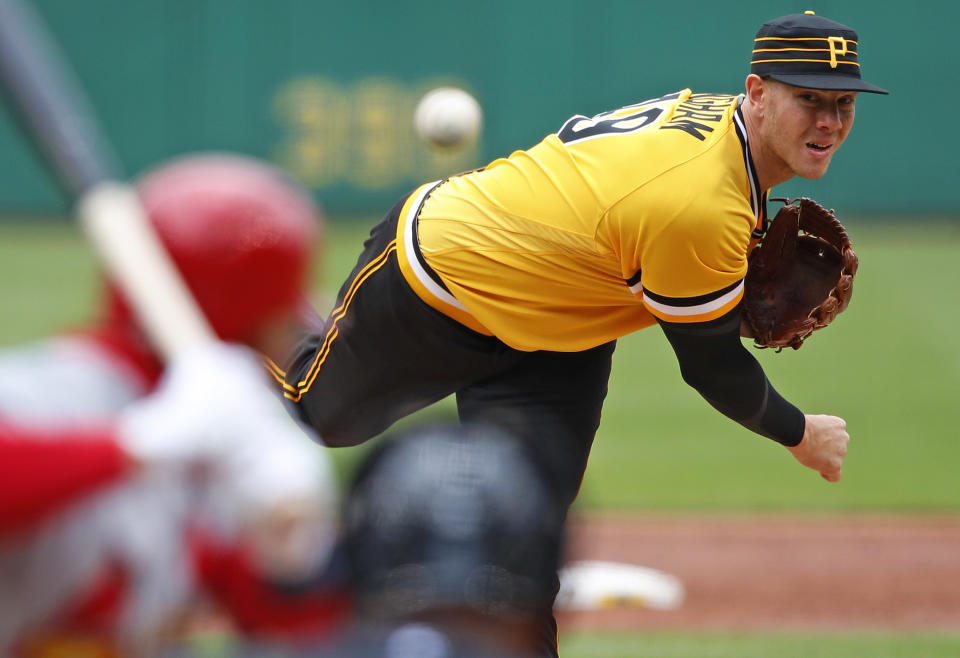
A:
[214,406]
[823,446]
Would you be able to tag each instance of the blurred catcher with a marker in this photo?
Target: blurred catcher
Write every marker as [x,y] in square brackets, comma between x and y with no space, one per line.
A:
[454,538]
[130,491]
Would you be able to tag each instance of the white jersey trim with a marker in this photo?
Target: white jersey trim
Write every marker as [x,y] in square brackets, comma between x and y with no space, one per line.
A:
[409,222]
[682,311]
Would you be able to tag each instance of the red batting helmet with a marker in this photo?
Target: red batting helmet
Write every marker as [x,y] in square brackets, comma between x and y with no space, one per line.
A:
[240,231]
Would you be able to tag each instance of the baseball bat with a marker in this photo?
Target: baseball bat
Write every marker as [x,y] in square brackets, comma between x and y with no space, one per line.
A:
[50,103]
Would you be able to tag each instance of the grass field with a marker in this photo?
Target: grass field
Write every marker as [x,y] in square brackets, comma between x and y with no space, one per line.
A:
[890,366]
[760,645]
[720,645]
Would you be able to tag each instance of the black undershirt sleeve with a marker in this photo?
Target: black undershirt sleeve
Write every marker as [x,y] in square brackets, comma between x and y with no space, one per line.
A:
[714,361]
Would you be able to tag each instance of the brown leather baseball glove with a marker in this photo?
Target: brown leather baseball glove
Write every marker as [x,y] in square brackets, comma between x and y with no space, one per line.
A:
[799,277]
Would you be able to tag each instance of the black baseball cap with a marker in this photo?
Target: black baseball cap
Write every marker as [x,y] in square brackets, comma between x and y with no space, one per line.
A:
[806,50]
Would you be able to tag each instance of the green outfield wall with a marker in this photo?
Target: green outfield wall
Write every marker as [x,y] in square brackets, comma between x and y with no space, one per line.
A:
[327,89]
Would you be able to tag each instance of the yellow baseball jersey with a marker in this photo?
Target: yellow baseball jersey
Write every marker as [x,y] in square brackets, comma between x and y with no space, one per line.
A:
[643,212]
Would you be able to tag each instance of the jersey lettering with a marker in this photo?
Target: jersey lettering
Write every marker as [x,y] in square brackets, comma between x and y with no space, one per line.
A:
[622,121]
[694,115]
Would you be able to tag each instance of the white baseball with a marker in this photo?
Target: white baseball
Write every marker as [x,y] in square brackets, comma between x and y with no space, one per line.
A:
[447,116]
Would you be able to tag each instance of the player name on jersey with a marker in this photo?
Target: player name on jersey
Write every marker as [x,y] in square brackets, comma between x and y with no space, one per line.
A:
[691,114]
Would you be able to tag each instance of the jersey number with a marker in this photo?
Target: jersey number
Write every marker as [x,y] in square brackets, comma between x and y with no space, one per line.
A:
[616,122]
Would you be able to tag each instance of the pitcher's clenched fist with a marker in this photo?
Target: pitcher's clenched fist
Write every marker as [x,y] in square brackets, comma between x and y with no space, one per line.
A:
[824,445]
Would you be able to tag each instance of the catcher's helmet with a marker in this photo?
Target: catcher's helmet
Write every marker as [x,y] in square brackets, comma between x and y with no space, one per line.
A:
[451,517]
[240,232]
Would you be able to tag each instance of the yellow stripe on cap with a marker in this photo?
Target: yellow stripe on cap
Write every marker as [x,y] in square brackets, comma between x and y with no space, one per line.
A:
[799,50]
[820,61]
[801,39]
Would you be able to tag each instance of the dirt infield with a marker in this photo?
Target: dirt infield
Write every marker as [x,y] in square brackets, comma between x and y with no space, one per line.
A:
[782,572]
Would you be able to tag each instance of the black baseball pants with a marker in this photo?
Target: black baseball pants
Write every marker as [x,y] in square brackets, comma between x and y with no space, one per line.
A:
[385,353]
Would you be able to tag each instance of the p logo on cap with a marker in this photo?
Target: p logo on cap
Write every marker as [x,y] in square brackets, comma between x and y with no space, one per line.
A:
[834,51]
